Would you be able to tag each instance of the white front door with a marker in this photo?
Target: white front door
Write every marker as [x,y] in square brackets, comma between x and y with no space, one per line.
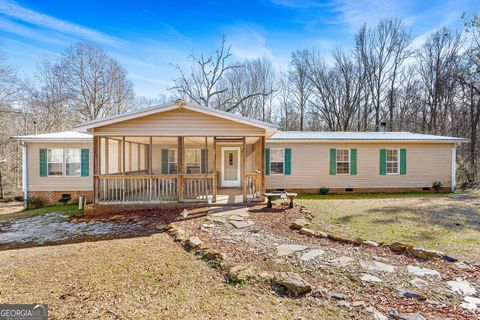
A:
[231,167]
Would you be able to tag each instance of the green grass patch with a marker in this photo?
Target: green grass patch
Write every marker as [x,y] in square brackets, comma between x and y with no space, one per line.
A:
[69,209]
[409,194]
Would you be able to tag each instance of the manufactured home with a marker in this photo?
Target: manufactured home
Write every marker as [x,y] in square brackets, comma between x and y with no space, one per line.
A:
[180,152]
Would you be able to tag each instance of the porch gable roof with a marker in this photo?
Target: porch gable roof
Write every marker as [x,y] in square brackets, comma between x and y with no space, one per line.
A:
[174,105]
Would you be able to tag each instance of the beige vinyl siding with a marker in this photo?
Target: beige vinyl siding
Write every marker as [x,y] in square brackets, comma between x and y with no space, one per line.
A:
[37,183]
[182,123]
[426,163]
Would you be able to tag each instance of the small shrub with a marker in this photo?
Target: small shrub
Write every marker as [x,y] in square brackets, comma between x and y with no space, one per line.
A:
[34,203]
[324,190]
[437,186]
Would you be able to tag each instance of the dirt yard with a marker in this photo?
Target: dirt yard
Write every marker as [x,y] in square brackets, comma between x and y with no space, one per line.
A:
[450,224]
[136,278]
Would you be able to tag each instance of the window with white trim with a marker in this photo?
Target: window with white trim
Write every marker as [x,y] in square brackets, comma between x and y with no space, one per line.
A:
[172,161]
[73,162]
[343,161]
[277,161]
[193,159]
[64,162]
[55,162]
[393,161]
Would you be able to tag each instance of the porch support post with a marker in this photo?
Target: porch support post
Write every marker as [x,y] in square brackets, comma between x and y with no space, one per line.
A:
[214,169]
[181,167]
[123,169]
[95,169]
[262,183]
[244,166]
[107,158]
[150,156]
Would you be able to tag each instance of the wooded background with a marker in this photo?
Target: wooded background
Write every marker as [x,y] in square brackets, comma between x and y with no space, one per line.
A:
[432,87]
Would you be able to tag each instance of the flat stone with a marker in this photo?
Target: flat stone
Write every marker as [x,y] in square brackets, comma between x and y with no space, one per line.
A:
[236,218]
[370,278]
[449,259]
[426,254]
[241,212]
[419,283]
[338,296]
[242,224]
[399,247]
[288,249]
[471,303]
[410,316]
[370,243]
[344,304]
[299,224]
[312,254]
[377,315]
[194,242]
[462,286]
[342,261]
[293,283]
[376,266]
[358,304]
[410,294]
[422,271]
[463,265]
[241,273]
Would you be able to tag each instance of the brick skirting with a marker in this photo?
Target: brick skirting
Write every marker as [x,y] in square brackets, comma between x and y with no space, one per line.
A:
[51,197]
[363,190]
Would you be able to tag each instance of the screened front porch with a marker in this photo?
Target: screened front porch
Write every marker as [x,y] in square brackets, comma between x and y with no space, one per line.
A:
[130,169]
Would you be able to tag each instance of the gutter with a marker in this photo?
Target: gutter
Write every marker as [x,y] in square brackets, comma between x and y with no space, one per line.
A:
[364,141]
[25,173]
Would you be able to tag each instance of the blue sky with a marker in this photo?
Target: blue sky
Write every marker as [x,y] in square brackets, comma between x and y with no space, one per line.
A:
[146,37]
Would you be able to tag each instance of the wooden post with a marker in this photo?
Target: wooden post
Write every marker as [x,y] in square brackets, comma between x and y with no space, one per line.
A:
[150,156]
[107,158]
[130,157]
[99,155]
[262,183]
[206,155]
[181,167]
[244,165]
[123,169]
[149,164]
[214,169]
[95,169]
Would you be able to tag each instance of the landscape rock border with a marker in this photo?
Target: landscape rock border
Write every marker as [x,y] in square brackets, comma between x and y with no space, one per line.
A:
[301,225]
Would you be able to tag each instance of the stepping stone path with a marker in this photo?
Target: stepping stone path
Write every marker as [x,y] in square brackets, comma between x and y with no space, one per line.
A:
[341,262]
[471,303]
[376,266]
[422,271]
[370,278]
[312,254]
[419,283]
[288,249]
[241,224]
[462,286]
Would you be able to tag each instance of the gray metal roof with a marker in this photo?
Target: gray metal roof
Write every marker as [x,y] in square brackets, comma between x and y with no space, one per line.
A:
[361,136]
[56,136]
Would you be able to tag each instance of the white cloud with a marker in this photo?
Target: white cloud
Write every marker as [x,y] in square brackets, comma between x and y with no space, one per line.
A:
[247,42]
[17,12]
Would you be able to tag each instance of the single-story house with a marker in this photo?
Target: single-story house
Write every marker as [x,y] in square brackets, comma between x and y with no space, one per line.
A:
[180,152]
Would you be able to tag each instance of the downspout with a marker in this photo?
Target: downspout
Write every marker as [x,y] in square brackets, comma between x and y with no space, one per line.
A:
[453,182]
[25,173]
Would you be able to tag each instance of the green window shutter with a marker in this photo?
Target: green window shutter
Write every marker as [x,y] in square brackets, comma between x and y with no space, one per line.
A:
[267,161]
[353,162]
[85,157]
[203,161]
[333,162]
[43,163]
[383,162]
[403,161]
[164,161]
[288,161]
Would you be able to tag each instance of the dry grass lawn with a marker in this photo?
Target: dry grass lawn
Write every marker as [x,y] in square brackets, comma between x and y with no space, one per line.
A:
[136,278]
[450,224]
